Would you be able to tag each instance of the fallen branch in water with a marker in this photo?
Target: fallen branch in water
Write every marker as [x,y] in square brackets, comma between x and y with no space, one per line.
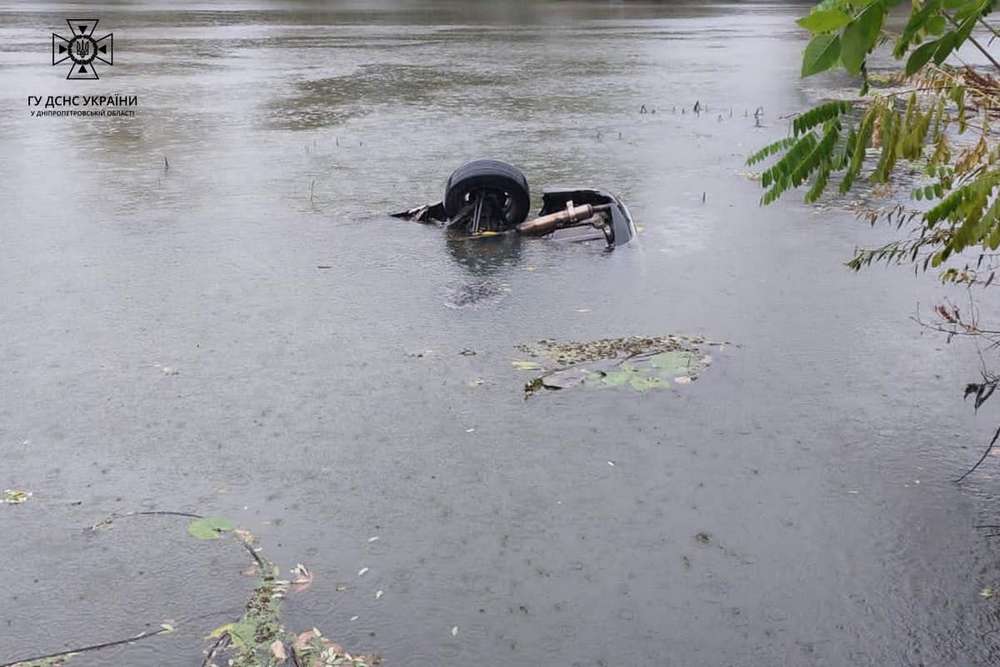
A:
[257,638]
[27,662]
[114,517]
[983,457]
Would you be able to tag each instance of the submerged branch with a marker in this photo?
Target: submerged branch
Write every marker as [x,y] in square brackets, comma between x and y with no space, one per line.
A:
[983,457]
[84,649]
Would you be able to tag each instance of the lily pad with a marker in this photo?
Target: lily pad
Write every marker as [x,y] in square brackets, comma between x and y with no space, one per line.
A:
[676,362]
[209,527]
[640,383]
[638,363]
[564,379]
[616,379]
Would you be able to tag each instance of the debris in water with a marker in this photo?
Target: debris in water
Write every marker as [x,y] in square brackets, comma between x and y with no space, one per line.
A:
[986,593]
[373,538]
[257,638]
[15,496]
[703,538]
[608,348]
[641,363]
[378,594]
[278,651]
[362,571]
[311,649]
[302,578]
[454,631]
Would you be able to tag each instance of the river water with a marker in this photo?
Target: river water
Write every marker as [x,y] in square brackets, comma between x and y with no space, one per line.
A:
[171,342]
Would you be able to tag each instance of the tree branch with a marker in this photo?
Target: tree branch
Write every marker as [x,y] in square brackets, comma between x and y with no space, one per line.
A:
[981,458]
[975,42]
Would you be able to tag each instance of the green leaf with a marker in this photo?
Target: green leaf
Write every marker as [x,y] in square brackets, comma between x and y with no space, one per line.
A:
[244,633]
[972,8]
[920,57]
[641,383]
[919,20]
[771,149]
[945,46]
[819,115]
[936,25]
[859,37]
[209,527]
[821,54]
[678,362]
[616,378]
[824,20]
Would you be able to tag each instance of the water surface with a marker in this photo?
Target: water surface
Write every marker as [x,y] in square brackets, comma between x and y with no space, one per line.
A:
[817,454]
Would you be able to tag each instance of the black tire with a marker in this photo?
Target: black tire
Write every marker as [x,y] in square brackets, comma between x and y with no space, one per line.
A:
[492,175]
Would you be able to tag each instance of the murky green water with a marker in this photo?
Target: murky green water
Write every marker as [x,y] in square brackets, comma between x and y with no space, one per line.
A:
[296,410]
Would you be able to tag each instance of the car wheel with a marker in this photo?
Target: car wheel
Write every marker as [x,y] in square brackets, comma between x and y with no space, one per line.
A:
[492,176]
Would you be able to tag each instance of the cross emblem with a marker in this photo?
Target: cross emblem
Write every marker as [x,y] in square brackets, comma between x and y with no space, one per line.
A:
[82,49]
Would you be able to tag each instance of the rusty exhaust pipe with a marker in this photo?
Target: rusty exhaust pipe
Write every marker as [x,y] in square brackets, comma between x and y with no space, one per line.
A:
[553,221]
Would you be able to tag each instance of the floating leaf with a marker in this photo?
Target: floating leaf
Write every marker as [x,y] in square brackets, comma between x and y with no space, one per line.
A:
[566,378]
[640,383]
[209,527]
[15,496]
[616,378]
[679,362]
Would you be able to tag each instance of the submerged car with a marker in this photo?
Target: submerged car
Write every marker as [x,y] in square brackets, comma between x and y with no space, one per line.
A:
[490,197]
